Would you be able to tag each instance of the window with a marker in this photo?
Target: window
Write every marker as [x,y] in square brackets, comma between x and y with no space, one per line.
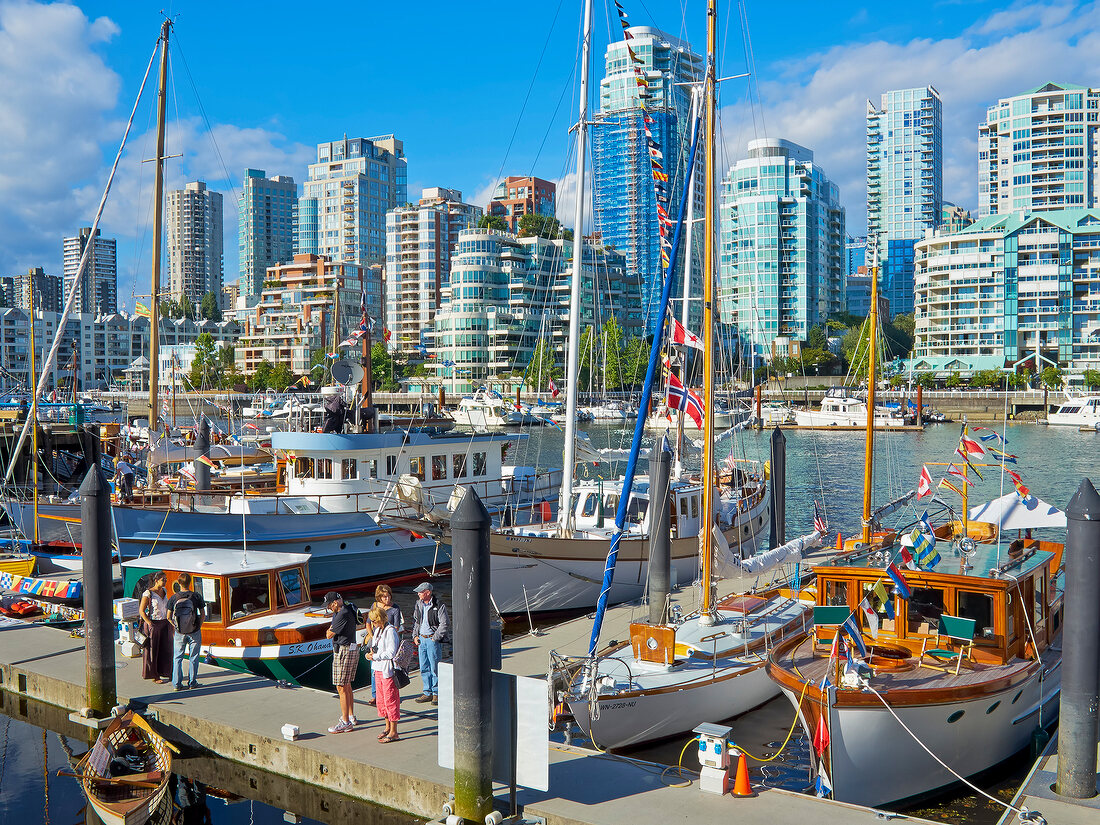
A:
[635,509]
[458,465]
[439,467]
[416,466]
[372,468]
[695,507]
[349,468]
[979,607]
[248,595]
[291,587]
[211,591]
[303,468]
[610,505]
[590,502]
[925,609]
[1038,601]
[480,464]
[684,506]
[836,593]
[324,468]
[391,465]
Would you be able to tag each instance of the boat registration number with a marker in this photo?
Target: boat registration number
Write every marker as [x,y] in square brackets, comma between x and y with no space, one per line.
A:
[619,705]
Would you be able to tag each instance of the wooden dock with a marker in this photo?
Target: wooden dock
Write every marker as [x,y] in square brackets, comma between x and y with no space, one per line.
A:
[238,717]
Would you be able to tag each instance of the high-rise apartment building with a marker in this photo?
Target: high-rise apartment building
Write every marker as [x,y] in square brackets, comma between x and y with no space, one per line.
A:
[857,280]
[1040,150]
[625,208]
[45,289]
[904,184]
[345,198]
[194,218]
[515,197]
[267,209]
[97,284]
[419,243]
[782,257]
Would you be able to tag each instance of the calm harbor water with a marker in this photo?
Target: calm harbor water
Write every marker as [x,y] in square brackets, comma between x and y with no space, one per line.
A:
[821,465]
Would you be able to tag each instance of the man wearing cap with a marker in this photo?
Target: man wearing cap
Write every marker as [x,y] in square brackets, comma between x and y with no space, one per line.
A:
[345,657]
[429,631]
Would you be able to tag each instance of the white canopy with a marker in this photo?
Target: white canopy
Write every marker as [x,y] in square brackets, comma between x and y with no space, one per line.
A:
[1012,513]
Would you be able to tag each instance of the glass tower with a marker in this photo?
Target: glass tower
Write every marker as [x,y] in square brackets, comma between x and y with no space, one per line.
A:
[267,210]
[904,184]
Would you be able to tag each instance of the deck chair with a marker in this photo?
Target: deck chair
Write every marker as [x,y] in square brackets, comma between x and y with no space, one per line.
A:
[828,618]
[952,629]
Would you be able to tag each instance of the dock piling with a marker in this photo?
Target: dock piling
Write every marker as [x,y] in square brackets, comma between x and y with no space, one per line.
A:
[99,641]
[778,533]
[202,444]
[660,535]
[1077,757]
[473,699]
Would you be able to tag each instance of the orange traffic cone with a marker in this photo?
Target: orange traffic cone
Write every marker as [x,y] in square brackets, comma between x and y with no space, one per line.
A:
[839,541]
[741,786]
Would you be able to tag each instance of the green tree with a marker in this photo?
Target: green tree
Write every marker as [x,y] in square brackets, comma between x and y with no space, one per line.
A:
[588,372]
[926,380]
[987,379]
[1092,379]
[1015,380]
[1051,377]
[206,366]
[612,345]
[209,308]
[385,372]
[542,367]
[544,226]
[282,376]
[816,338]
[953,380]
[906,324]
[492,222]
[169,308]
[261,378]
[186,308]
[635,362]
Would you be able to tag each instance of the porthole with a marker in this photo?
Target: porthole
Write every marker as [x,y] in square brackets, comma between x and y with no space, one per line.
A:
[343,545]
[1017,696]
[955,717]
[377,542]
[993,707]
[309,547]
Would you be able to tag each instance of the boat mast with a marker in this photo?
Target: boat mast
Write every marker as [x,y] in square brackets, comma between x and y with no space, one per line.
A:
[158,241]
[869,449]
[706,613]
[34,419]
[565,500]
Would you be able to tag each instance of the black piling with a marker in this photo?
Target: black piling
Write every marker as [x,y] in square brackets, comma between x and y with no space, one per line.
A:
[660,533]
[473,699]
[202,444]
[99,635]
[778,534]
[1077,733]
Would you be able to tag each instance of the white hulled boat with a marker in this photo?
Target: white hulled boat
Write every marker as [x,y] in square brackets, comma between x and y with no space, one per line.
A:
[842,407]
[1078,411]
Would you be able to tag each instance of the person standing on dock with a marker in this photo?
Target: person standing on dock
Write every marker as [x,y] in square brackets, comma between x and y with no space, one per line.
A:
[186,611]
[384,642]
[156,653]
[383,599]
[345,657]
[430,629]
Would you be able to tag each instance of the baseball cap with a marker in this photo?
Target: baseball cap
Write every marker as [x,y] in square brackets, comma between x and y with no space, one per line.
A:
[330,597]
[420,588]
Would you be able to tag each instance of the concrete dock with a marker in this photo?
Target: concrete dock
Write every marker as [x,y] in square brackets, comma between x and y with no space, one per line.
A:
[238,717]
[1037,794]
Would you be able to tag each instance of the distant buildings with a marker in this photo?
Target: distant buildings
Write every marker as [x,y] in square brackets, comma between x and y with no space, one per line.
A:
[267,209]
[954,218]
[230,294]
[857,281]
[1039,151]
[515,197]
[507,294]
[904,184]
[625,209]
[345,198]
[194,219]
[419,243]
[97,284]
[782,265]
[45,289]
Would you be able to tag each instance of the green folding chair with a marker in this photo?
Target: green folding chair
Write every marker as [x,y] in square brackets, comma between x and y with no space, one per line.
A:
[952,629]
[828,617]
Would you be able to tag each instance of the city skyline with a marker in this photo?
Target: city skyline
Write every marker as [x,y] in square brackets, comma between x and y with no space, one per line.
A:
[271,119]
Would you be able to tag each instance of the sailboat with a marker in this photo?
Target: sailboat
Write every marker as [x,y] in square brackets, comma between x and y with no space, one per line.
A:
[558,565]
[922,669]
[671,676]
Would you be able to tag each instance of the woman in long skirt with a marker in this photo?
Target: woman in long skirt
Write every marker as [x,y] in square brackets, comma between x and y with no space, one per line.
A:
[156,655]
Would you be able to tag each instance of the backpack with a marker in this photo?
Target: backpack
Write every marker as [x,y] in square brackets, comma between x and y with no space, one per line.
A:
[184,617]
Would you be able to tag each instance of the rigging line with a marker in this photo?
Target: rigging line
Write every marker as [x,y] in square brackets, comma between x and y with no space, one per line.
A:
[750,57]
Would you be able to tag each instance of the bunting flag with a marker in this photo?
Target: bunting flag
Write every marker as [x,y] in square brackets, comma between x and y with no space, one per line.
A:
[678,397]
[925,550]
[352,339]
[554,392]
[961,453]
[924,484]
[953,470]
[901,586]
[822,789]
[926,525]
[879,591]
[142,310]
[908,560]
[945,483]
[1017,482]
[204,460]
[1003,457]
[852,630]
[685,337]
[870,617]
[990,435]
[821,736]
[971,447]
[364,326]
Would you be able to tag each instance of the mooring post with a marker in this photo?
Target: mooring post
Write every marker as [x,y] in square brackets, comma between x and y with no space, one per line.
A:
[473,697]
[920,405]
[778,534]
[99,636]
[202,444]
[1077,726]
[660,533]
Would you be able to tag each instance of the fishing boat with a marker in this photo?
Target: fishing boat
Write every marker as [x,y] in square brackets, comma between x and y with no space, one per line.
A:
[125,774]
[924,669]
[259,617]
[1078,411]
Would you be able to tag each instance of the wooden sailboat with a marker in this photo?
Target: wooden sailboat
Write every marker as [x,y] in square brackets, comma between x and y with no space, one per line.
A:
[949,668]
[125,774]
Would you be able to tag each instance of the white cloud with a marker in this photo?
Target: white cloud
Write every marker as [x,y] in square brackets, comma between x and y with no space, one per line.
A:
[820,101]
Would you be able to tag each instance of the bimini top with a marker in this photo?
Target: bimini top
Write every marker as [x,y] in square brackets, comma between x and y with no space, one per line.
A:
[217,561]
[1010,512]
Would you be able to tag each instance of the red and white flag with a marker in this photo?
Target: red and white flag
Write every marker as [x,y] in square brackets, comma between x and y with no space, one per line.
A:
[971,447]
[684,337]
[955,471]
[554,392]
[924,485]
[680,398]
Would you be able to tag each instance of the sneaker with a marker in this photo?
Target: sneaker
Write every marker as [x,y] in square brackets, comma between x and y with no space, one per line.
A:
[353,722]
[180,687]
[193,685]
[435,700]
[340,727]
[422,698]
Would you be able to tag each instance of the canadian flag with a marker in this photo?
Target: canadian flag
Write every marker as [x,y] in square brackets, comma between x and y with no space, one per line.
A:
[553,389]
[681,398]
[924,486]
[684,337]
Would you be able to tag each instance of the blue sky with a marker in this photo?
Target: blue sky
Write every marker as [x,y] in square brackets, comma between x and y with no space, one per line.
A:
[451,80]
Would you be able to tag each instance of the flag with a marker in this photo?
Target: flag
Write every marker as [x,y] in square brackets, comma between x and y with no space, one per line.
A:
[869,616]
[554,393]
[680,398]
[1003,457]
[820,525]
[924,548]
[945,483]
[142,310]
[204,460]
[924,484]
[990,435]
[957,472]
[353,338]
[959,451]
[852,629]
[1017,482]
[901,586]
[684,337]
[821,736]
[925,524]
[822,788]
[364,327]
[907,558]
[879,590]
[972,447]
[386,334]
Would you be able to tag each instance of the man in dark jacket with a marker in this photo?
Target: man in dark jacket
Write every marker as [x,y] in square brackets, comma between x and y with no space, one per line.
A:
[186,612]
[345,657]
[429,631]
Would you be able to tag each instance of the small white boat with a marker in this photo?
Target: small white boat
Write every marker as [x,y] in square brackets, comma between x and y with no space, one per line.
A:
[611,411]
[842,407]
[1079,411]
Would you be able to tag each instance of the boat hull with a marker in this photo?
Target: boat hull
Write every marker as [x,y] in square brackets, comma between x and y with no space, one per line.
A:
[308,664]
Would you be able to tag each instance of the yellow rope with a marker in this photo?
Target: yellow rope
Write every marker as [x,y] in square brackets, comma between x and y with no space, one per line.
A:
[790,733]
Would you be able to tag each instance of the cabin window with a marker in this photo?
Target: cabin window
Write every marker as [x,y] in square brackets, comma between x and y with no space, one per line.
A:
[458,465]
[979,607]
[684,506]
[925,609]
[416,466]
[1038,600]
[590,502]
[695,507]
[211,591]
[880,599]
[372,468]
[291,587]
[303,468]
[349,468]
[1010,614]
[635,509]
[439,467]
[836,593]
[610,505]
[481,464]
[323,468]
[248,595]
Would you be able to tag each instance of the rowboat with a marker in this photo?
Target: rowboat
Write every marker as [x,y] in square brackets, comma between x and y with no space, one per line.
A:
[125,774]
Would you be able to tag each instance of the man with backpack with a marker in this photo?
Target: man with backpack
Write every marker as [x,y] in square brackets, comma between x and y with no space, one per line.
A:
[429,633]
[186,612]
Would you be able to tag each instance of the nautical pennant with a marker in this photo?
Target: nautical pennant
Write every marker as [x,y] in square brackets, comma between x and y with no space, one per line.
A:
[924,484]
[957,472]
[925,550]
[852,630]
[879,590]
[869,616]
[926,525]
[901,586]
[945,483]
[972,447]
